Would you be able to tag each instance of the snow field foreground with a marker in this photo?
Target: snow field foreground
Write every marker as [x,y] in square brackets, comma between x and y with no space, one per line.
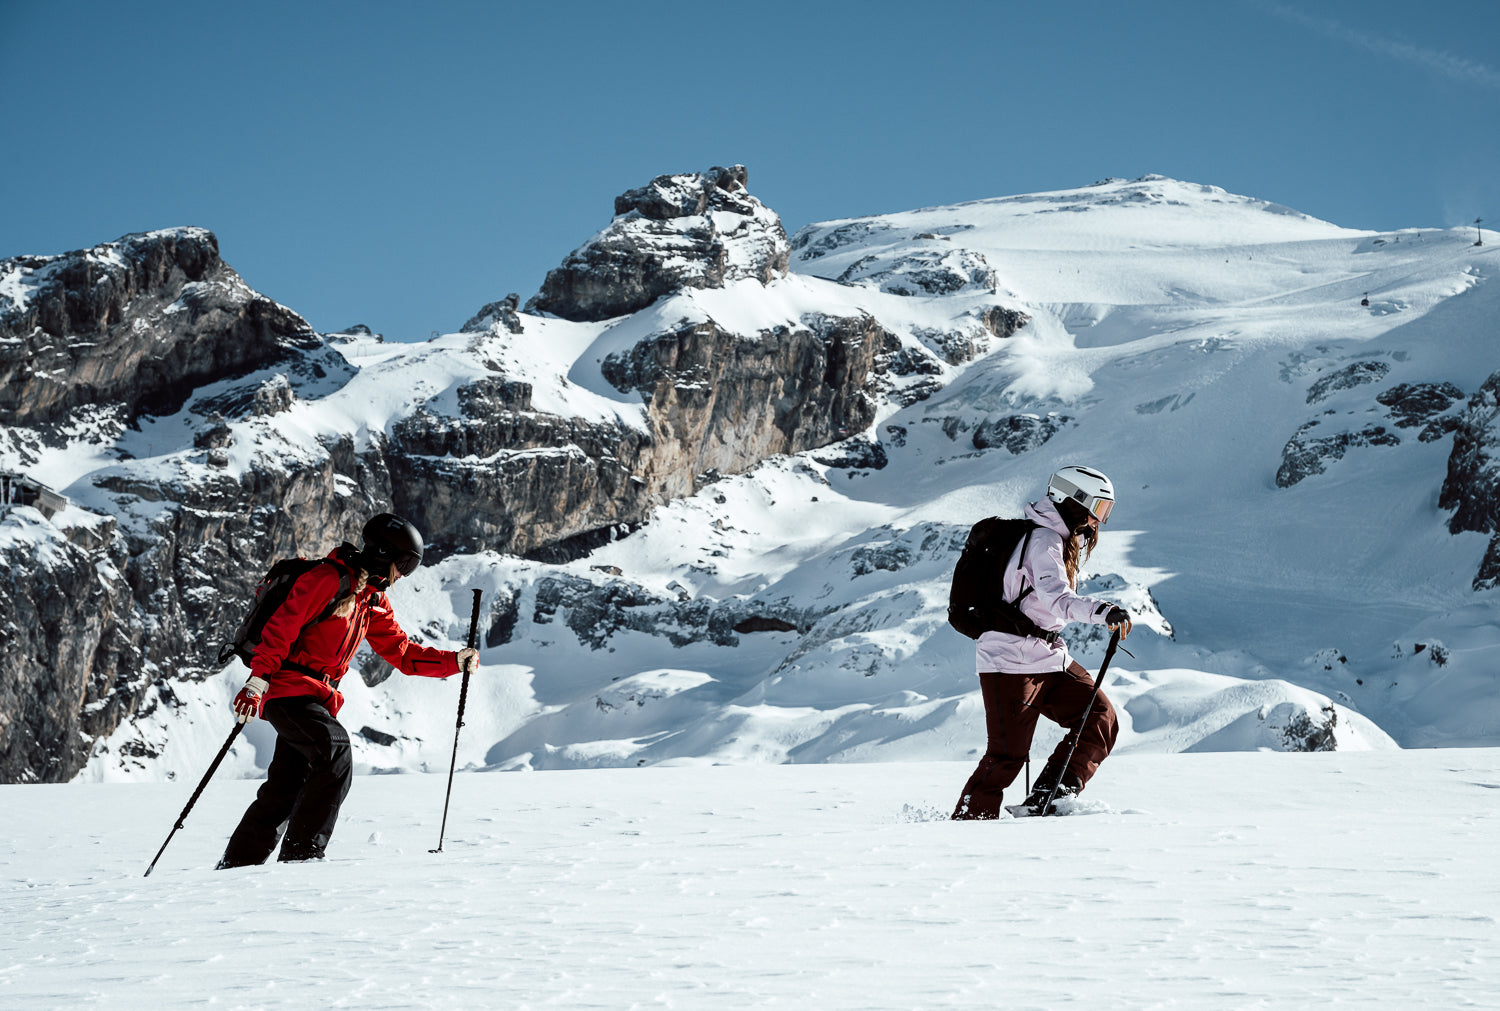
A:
[1228,880]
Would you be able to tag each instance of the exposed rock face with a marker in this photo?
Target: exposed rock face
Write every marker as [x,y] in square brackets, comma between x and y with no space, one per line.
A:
[596,612]
[1019,433]
[854,454]
[698,230]
[813,244]
[1472,487]
[505,477]
[1346,378]
[1409,405]
[1305,732]
[136,322]
[502,313]
[936,271]
[71,646]
[1423,404]
[722,401]
[1015,433]
[1306,453]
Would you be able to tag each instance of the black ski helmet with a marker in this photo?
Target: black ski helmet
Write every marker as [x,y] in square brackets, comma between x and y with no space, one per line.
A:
[389,538]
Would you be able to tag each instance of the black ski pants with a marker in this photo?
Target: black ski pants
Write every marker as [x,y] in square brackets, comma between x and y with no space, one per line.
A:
[1012,703]
[309,777]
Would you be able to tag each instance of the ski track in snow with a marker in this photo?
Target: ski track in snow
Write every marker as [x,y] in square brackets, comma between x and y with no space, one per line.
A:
[1244,880]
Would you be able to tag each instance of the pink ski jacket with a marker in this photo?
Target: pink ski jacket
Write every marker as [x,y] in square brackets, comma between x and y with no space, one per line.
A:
[1051,602]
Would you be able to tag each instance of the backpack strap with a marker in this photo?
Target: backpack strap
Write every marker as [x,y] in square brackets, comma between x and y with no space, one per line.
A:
[346,581]
[1024,625]
[1020,562]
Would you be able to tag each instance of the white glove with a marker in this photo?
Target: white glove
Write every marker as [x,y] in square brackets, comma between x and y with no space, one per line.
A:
[468,660]
[249,700]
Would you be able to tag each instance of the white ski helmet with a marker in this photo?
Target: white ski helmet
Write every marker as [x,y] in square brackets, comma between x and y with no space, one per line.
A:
[1089,488]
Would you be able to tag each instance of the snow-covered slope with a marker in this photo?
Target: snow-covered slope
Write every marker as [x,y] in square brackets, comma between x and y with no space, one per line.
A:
[1199,881]
[1277,454]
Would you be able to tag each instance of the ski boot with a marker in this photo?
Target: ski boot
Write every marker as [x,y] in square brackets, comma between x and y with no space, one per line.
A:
[1066,786]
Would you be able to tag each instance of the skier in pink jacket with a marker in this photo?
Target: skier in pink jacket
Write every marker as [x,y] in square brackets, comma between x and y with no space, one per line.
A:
[1022,677]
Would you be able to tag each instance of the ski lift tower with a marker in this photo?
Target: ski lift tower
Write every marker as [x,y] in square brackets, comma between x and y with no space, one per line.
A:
[1479,241]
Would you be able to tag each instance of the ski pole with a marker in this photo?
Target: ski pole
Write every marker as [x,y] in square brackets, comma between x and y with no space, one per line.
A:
[1114,643]
[194,798]
[463,697]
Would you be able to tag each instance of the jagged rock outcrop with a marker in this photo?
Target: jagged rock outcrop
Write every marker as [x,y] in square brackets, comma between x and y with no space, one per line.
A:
[1429,406]
[854,454]
[137,323]
[936,271]
[1001,322]
[813,243]
[505,477]
[1348,377]
[597,611]
[502,476]
[723,401]
[1305,732]
[698,230]
[1019,433]
[715,401]
[1472,487]
[505,313]
[71,645]
[1307,453]
[1015,433]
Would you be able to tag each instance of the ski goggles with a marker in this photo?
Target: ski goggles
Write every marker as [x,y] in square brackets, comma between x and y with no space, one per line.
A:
[1096,505]
[407,562]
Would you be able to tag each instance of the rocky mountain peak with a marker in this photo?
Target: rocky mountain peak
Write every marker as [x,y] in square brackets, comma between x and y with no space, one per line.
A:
[681,196]
[694,230]
[134,322]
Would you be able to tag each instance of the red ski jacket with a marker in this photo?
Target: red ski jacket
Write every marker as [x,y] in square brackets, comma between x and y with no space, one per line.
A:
[312,661]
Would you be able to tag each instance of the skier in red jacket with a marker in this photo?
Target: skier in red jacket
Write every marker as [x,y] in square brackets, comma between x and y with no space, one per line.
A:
[293,685]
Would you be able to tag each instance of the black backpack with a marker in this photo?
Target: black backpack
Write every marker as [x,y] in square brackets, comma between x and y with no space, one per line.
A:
[270,593]
[976,600]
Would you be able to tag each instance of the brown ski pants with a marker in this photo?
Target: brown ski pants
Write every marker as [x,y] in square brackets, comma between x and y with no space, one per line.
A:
[1012,703]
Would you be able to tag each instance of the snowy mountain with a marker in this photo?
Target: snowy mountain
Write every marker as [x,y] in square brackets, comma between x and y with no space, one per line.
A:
[712,482]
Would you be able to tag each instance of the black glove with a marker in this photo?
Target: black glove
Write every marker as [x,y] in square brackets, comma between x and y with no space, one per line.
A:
[1117,616]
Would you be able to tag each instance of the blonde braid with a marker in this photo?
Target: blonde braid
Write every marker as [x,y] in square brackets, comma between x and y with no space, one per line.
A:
[344,606]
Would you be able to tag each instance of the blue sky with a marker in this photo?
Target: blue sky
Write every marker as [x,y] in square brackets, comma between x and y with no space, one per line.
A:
[401,164]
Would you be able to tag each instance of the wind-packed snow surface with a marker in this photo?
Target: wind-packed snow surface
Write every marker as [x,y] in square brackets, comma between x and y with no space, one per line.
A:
[1244,880]
[1180,339]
